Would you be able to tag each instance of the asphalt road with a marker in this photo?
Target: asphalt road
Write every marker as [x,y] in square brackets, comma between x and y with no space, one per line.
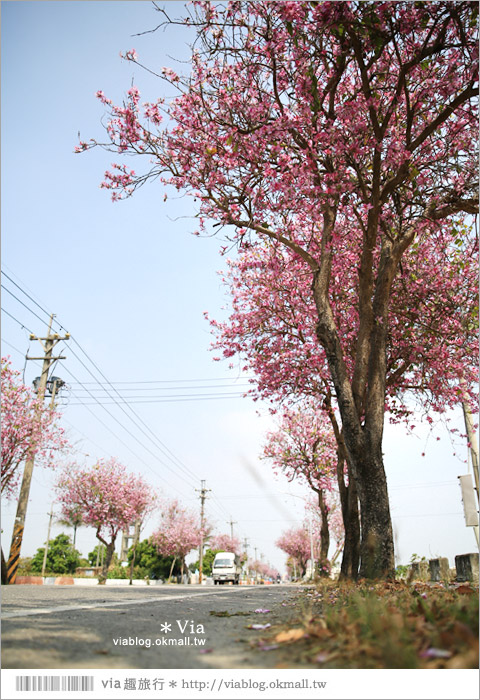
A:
[119,627]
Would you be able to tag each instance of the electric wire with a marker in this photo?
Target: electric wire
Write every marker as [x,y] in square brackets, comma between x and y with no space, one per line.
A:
[128,402]
[124,443]
[170,388]
[184,469]
[22,303]
[157,442]
[147,449]
[151,436]
[22,325]
[5,342]
[214,501]
[172,381]
[24,292]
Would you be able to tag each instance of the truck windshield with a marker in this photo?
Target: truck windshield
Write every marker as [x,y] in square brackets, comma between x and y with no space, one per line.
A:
[223,562]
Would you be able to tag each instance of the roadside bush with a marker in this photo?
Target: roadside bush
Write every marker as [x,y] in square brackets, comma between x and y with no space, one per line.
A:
[149,563]
[62,558]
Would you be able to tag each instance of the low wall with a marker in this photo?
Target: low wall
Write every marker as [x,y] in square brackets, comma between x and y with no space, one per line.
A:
[71,581]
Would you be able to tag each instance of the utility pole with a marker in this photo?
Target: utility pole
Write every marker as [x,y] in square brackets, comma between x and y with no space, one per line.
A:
[48,541]
[136,538]
[256,572]
[232,523]
[49,343]
[472,439]
[203,495]
[245,545]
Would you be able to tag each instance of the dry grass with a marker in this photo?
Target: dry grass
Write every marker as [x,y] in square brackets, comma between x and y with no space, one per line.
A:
[387,625]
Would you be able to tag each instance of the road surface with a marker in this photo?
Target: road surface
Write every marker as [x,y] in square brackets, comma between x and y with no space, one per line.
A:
[145,627]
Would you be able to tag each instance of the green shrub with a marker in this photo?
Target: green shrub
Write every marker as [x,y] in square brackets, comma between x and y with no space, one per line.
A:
[62,558]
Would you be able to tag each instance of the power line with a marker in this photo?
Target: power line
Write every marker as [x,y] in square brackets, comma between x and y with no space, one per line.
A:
[170,388]
[27,295]
[104,386]
[124,443]
[22,303]
[172,381]
[186,471]
[163,448]
[156,440]
[126,430]
[159,444]
[5,342]
[173,399]
[16,319]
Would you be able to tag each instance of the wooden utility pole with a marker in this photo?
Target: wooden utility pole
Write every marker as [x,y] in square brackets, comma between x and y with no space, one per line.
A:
[203,495]
[48,344]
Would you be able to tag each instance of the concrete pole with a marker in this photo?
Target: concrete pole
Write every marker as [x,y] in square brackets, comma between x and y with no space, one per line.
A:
[472,439]
[19,525]
[203,495]
[47,542]
[232,523]
[136,538]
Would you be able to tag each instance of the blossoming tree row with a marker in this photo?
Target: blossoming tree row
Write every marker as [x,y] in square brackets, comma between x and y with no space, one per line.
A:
[337,140]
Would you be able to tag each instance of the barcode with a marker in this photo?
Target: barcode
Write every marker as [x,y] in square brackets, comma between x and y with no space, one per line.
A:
[53,683]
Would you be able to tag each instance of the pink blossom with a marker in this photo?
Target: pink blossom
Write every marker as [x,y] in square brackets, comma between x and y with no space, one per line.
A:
[30,428]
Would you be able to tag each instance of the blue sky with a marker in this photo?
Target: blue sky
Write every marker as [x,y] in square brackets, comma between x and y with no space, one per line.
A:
[130,283]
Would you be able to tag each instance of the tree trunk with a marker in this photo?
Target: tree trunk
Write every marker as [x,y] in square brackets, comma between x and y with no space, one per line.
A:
[171,569]
[351,524]
[109,550]
[323,565]
[363,438]
[349,505]
[377,558]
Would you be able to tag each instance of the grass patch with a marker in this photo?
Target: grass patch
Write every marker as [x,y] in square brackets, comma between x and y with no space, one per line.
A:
[225,613]
[384,625]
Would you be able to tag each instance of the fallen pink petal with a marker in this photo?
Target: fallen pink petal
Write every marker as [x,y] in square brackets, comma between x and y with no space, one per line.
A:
[434,653]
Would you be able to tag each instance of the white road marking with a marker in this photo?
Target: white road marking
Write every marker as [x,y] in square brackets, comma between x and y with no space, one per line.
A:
[121,603]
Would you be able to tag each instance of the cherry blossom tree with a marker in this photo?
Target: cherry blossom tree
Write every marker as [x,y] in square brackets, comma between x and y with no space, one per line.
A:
[178,533]
[431,345]
[296,543]
[335,527]
[304,446]
[29,429]
[344,132]
[108,497]
[226,543]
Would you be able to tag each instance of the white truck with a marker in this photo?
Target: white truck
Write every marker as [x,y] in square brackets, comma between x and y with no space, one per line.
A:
[226,567]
